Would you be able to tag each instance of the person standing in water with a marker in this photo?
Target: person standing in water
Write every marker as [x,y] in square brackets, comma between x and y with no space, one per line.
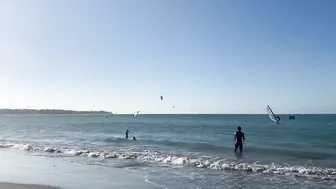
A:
[127,131]
[239,138]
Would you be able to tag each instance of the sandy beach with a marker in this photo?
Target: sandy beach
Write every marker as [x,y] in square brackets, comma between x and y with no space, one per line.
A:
[4,185]
[20,169]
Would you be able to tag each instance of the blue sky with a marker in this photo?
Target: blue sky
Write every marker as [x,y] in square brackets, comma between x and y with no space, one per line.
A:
[202,56]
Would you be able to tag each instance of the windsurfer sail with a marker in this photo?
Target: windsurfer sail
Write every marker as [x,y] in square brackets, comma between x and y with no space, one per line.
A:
[136,114]
[271,115]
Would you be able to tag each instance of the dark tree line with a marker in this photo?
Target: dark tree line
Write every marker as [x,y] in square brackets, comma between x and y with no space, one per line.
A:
[48,111]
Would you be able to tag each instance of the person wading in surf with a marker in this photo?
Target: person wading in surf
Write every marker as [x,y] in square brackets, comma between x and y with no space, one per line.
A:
[127,131]
[239,138]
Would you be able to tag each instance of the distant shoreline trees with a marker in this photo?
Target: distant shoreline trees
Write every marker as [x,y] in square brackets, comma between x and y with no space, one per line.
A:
[49,111]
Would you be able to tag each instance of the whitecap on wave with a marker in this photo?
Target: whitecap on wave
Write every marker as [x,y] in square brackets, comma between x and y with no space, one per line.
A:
[200,162]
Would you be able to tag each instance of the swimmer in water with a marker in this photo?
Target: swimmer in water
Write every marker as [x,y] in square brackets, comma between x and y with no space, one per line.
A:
[239,138]
[127,131]
[134,138]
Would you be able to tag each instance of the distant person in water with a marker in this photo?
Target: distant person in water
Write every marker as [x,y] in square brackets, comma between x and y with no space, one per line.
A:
[127,131]
[134,138]
[277,118]
[239,138]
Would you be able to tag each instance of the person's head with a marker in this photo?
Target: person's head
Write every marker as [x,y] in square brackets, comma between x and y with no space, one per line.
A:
[239,128]
[134,138]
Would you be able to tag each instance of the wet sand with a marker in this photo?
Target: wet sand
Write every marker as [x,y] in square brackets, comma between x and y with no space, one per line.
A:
[25,168]
[4,185]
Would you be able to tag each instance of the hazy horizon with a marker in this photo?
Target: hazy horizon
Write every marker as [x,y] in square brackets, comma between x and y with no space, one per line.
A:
[214,57]
[97,112]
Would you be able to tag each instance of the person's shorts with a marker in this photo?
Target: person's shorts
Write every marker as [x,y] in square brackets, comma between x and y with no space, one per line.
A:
[239,145]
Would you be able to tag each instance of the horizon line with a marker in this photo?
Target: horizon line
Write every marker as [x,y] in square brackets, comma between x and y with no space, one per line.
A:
[29,111]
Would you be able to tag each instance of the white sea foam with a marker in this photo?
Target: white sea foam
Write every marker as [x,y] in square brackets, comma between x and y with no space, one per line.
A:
[200,162]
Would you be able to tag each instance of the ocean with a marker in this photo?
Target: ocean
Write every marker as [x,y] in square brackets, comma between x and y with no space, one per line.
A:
[184,151]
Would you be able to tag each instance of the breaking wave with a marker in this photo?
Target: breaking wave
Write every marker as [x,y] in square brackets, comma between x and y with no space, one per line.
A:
[198,162]
[206,147]
[116,139]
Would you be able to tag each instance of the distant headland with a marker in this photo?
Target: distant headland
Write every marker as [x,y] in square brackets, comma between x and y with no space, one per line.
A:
[49,111]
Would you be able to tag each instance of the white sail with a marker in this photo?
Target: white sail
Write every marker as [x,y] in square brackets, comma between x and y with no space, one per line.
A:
[271,114]
[136,114]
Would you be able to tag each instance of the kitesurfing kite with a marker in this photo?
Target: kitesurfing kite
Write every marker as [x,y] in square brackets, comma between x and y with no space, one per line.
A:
[161,97]
[136,114]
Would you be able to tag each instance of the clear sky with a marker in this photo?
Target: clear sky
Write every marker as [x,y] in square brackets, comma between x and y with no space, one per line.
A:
[202,56]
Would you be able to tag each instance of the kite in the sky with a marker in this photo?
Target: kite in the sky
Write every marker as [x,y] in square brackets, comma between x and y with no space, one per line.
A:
[136,114]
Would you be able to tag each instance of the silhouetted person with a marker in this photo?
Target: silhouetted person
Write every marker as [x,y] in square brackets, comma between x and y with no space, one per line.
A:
[134,138]
[239,138]
[127,131]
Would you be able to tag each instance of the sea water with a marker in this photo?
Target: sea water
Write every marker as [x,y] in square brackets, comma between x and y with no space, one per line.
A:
[186,151]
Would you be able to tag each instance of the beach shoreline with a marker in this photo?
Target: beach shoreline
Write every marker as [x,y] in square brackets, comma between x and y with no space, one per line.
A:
[6,185]
[20,169]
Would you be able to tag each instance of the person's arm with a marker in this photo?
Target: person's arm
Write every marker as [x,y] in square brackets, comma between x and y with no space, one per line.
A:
[243,137]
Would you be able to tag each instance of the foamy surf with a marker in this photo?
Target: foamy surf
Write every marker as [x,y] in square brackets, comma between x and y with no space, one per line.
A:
[198,162]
